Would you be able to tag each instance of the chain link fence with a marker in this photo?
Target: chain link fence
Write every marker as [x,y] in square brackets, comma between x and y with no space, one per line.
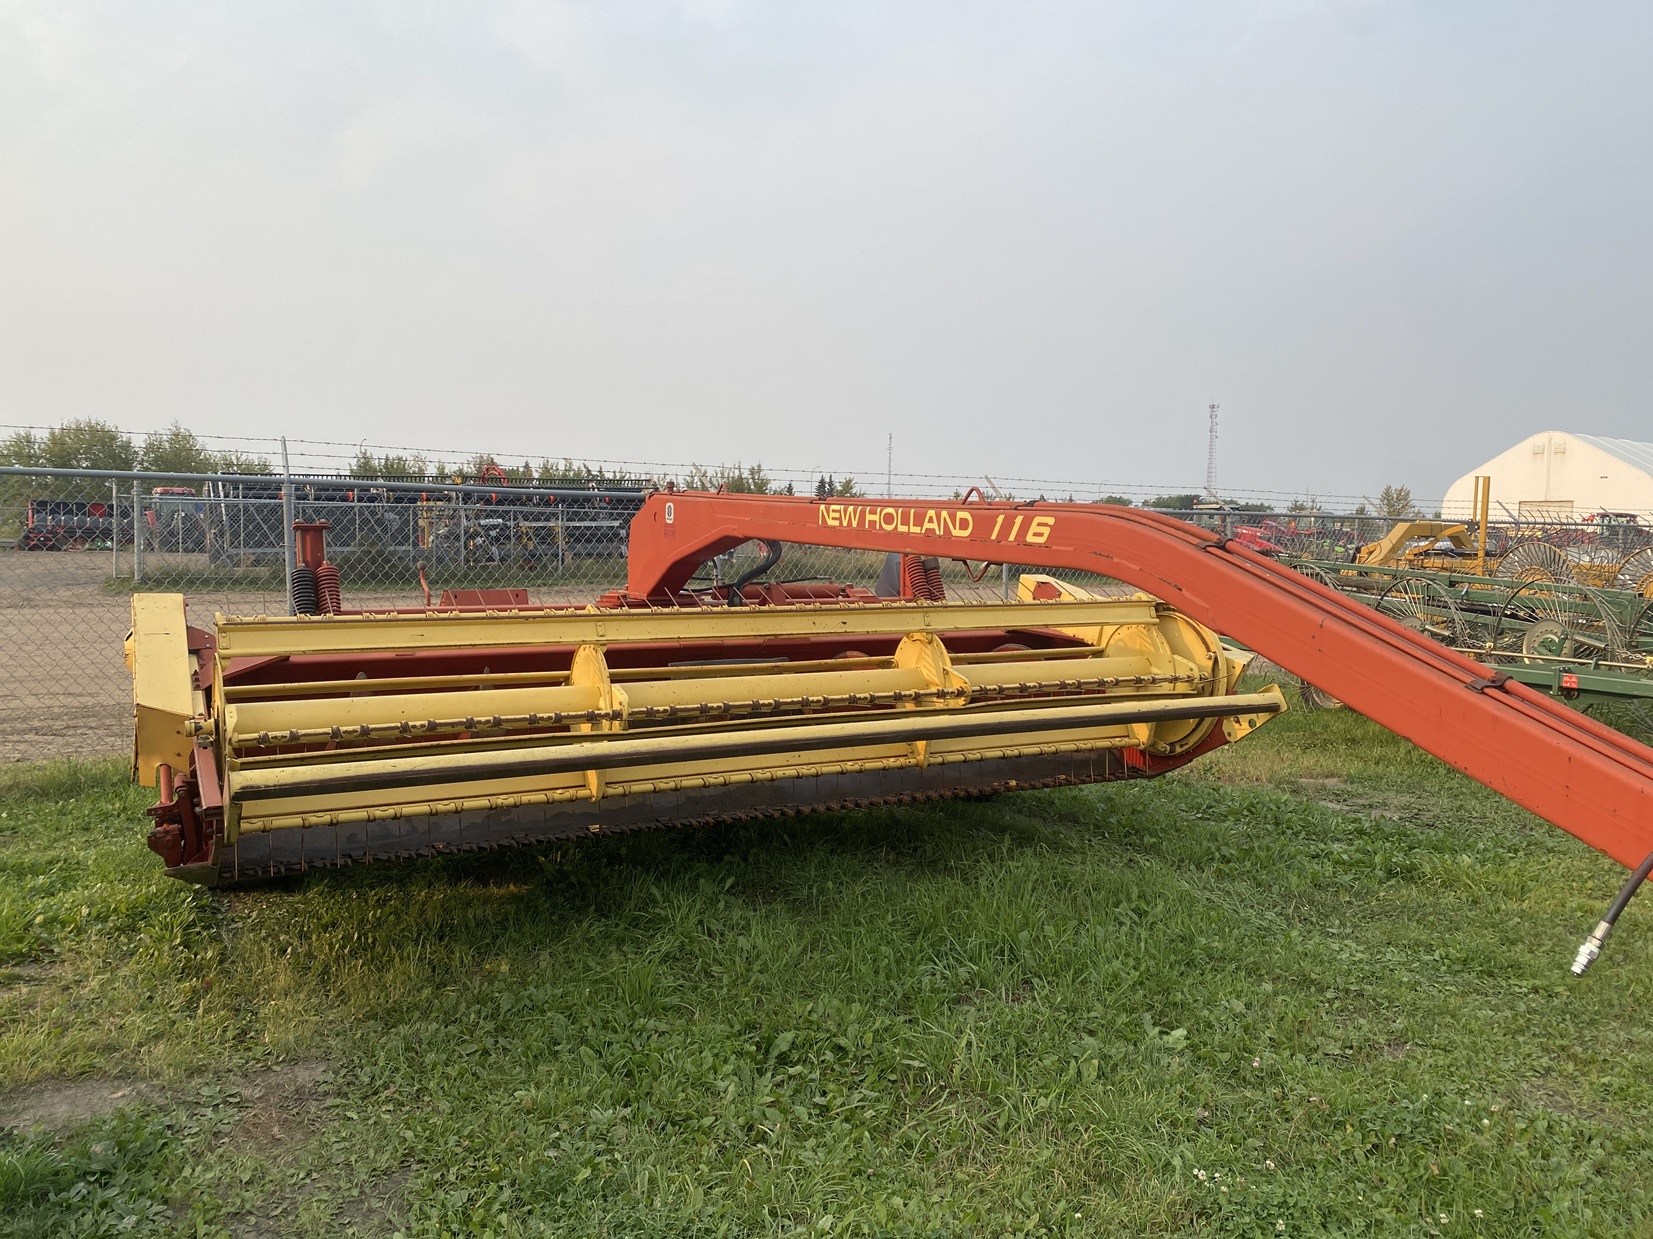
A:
[74,547]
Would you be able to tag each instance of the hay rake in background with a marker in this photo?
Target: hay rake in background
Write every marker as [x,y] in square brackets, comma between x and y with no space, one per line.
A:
[1591,648]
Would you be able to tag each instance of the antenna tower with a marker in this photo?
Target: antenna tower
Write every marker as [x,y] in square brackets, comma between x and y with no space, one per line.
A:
[1211,454]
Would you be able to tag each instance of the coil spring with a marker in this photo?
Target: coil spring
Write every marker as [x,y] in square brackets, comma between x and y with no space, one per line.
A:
[921,579]
[304,599]
[935,590]
[328,593]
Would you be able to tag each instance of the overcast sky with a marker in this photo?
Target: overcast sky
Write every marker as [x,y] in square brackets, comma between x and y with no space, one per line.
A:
[1028,239]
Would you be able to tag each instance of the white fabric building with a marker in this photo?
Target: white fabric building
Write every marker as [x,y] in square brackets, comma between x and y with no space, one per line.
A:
[1555,474]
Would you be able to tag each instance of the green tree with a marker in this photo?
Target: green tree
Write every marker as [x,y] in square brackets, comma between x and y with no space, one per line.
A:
[568,473]
[176,450]
[23,447]
[1396,503]
[829,487]
[240,462]
[1175,503]
[84,444]
[391,466]
[736,479]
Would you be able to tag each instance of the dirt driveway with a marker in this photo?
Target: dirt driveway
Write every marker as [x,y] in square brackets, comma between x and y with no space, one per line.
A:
[64,688]
[64,691]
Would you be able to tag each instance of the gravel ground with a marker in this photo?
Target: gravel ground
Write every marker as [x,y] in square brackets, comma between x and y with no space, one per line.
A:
[64,687]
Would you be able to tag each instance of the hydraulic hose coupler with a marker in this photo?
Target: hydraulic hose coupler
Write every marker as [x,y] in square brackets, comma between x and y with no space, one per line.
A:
[1592,945]
[1591,948]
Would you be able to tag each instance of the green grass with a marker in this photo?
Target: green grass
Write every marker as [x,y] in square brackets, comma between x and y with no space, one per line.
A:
[1343,1000]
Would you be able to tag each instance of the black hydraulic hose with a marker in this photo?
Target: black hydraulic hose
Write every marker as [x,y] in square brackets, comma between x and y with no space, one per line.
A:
[1592,945]
[771,556]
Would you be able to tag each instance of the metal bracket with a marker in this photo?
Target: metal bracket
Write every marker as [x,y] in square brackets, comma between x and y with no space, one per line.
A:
[1496,680]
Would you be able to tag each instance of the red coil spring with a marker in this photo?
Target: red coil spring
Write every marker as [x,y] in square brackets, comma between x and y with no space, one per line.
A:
[921,579]
[327,589]
[936,591]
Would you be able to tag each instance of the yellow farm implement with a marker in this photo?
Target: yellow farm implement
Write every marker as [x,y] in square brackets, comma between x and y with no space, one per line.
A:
[283,744]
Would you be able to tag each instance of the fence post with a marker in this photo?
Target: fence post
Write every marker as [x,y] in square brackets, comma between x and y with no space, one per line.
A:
[1006,580]
[137,532]
[114,529]
[288,549]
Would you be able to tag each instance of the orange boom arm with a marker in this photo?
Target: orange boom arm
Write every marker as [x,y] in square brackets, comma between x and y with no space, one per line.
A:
[1589,780]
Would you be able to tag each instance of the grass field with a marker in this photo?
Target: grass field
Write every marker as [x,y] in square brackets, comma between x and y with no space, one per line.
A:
[1317,986]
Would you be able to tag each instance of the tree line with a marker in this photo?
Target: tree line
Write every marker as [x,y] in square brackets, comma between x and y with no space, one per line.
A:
[93,444]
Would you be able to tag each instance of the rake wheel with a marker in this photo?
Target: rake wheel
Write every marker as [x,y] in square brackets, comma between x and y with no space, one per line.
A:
[1636,640]
[1313,698]
[1535,561]
[1539,624]
[1631,717]
[1316,573]
[1300,544]
[1424,606]
[1310,697]
[1636,573]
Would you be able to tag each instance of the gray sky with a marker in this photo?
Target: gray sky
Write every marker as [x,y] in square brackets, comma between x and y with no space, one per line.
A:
[1029,239]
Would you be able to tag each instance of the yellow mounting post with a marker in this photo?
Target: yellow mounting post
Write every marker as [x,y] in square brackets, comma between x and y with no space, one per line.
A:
[164,696]
[1483,508]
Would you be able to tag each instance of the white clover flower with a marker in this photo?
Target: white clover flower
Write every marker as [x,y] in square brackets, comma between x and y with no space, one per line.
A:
[1279,1223]
[1478,1213]
[1443,1217]
[1268,1164]
[1256,1062]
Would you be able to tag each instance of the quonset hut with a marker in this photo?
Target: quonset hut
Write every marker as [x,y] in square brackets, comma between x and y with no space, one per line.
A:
[1555,475]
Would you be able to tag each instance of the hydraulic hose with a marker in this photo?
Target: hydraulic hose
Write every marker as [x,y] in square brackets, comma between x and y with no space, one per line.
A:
[1592,945]
[771,556]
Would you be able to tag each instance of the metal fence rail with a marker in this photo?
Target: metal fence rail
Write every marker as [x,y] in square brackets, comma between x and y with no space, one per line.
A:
[75,545]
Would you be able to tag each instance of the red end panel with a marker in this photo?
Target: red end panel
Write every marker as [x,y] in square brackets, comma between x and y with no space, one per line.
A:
[311,537]
[1585,778]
